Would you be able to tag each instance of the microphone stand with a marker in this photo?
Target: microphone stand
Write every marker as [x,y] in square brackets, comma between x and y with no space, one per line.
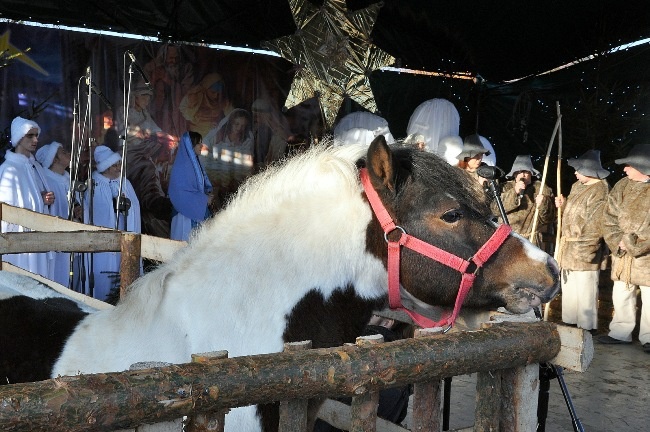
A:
[127,103]
[547,371]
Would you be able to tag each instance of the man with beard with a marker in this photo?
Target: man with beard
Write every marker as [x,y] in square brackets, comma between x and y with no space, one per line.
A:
[171,75]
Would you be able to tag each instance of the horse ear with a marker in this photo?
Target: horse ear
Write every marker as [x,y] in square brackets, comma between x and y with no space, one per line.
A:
[380,162]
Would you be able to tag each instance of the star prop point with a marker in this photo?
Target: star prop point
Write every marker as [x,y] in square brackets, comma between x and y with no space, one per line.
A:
[9,52]
[333,53]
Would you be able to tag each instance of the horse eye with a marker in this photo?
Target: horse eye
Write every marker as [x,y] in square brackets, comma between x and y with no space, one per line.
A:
[452,216]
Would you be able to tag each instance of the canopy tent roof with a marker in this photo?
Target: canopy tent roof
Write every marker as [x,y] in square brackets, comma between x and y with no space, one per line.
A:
[500,41]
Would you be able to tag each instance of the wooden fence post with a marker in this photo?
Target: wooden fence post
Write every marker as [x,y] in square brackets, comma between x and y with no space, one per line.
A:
[207,422]
[130,246]
[364,406]
[427,404]
[293,413]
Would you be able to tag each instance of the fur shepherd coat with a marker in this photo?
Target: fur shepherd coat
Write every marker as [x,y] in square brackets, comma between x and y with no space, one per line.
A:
[581,244]
[627,218]
[520,211]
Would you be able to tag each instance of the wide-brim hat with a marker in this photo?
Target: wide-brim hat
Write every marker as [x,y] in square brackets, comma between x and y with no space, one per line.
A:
[638,158]
[522,163]
[472,147]
[589,165]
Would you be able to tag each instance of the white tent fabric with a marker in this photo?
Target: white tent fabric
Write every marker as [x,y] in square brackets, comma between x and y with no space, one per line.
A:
[449,147]
[361,127]
[434,119]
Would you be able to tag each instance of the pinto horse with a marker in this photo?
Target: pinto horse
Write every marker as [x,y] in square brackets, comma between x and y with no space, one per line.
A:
[298,254]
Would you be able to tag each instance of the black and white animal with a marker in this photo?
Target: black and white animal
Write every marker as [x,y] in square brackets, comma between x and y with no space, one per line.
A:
[296,255]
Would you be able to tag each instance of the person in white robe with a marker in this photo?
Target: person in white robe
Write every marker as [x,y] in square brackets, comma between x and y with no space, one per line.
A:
[23,183]
[103,268]
[55,159]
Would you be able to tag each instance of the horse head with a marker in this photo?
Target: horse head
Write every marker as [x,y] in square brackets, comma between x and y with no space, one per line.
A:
[439,205]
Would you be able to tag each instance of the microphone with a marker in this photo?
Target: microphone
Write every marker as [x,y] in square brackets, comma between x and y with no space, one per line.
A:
[137,67]
[88,75]
[490,172]
[99,93]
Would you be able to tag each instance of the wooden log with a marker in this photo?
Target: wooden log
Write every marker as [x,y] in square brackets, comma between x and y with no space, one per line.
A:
[108,401]
[207,422]
[293,413]
[427,396]
[154,248]
[338,415]
[487,412]
[363,408]
[80,241]
[129,260]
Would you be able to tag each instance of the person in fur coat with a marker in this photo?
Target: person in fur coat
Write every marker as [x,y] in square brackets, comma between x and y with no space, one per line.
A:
[581,249]
[521,194]
[626,229]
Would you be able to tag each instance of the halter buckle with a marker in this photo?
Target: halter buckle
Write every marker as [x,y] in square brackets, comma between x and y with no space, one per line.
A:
[393,230]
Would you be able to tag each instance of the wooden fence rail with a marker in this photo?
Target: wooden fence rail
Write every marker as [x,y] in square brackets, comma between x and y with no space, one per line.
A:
[56,234]
[505,356]
[109,401]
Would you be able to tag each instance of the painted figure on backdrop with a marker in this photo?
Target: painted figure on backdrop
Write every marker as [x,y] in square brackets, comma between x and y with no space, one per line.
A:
[229,160]
[148,161]
[190,189]
[23,184]
[270,132]
[172,75]
[582,251]
[521,194]
[205,104]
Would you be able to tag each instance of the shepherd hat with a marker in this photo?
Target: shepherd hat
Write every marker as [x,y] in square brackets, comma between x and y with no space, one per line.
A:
[589,165]
[472,147]
[638,158]
[46,154]
[105,158]
[19,127]
[522,163]
[142,89]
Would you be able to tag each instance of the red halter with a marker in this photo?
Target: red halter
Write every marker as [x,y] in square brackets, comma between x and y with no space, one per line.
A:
[430,251]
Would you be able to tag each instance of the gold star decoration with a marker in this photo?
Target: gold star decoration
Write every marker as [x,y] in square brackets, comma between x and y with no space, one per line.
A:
[9,52]
[333,55]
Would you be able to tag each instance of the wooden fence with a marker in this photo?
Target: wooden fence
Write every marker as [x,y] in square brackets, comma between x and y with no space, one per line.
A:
[505,356]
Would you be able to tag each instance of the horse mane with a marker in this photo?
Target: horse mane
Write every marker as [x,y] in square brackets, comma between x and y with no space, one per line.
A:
[275,210]
[323,171]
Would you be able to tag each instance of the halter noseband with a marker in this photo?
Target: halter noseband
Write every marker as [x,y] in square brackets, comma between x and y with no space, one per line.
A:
[430,251]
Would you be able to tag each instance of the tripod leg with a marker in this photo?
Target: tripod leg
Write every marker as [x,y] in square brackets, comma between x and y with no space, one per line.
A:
[575,421]
[446,404]
[542,403]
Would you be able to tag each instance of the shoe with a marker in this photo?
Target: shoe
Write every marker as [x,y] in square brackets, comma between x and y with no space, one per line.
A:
[606,339]
[646,347]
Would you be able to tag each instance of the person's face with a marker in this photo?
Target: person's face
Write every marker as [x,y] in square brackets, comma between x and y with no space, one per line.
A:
[474,162]
[27,144]
[238,128]
[113,171]
[142,101]
[62,156]
[197,148]
[524,176]
[582,178]
[173,56]
[634,174]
